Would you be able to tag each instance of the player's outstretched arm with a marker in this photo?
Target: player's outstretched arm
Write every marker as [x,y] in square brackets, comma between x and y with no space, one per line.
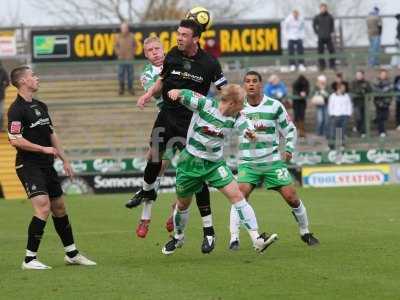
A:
[151,92]
[55,141]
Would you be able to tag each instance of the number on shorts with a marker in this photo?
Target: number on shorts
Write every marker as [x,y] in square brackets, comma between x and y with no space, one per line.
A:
[282,174]
[222,172]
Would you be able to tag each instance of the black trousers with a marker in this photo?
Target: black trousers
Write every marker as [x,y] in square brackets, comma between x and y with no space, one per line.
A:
[322,42]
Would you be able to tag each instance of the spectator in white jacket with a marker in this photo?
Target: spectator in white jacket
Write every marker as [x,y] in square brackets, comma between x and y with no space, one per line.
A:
[340,109]
[294,32]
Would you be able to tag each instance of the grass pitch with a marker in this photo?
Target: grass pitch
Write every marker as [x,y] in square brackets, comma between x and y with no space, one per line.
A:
[359,230]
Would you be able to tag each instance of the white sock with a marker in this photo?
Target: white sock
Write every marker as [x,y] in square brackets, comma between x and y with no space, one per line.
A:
[30,253]
[180,220]
[300,214]
[234,224]
[207,221]
[247,218]
[146,211]
[70,248]
[148,186]
[157,184]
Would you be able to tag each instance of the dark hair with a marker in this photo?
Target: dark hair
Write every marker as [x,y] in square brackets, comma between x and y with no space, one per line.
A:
[196,29]
[255,74]
[17,73]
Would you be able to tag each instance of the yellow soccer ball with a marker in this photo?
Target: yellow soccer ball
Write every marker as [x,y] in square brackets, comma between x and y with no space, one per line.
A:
[201,16]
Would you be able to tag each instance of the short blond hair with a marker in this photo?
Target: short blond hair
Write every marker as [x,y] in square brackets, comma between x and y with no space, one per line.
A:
[232,92]
[151,39]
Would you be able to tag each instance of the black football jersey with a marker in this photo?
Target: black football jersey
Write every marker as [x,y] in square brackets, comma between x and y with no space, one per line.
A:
[31,120]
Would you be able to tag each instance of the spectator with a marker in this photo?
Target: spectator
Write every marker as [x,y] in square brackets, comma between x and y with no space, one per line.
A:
[374,26]
[338,80]
[4,82]
[324,28]
[382,102]
[360,87]
[319,98]
[339,111]
[397,90]
[301,90]
[396,58]
[275,88]
[125,47]
[294,32]
[212,47]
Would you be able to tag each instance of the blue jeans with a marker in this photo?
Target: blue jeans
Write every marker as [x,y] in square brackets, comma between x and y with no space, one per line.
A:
[337,129]
[125,70]
[322,120]
[373,51]
[294,45]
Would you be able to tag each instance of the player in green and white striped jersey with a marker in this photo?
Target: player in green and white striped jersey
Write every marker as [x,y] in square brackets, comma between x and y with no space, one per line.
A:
[154,52]
[202,159]
[261,162]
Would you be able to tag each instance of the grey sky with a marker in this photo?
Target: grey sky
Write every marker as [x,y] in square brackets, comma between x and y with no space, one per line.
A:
[23,11]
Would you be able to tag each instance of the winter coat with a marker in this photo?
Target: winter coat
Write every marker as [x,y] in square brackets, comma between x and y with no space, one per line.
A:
[359,88]
[382,87]
[301,84]
[294,29]
[278,91]
[324,25]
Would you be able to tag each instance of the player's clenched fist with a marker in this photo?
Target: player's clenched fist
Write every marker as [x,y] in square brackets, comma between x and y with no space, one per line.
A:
[174,94]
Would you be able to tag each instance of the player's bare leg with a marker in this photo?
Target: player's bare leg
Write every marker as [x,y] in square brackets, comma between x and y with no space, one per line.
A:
[234,220]
[41,208]
[299,212]
[180,219]
[64,231]
[248,217]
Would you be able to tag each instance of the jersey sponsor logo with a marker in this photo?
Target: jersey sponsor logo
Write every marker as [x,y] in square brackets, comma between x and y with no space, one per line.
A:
[15,127]
[40,122]
[186,75]
[212,132]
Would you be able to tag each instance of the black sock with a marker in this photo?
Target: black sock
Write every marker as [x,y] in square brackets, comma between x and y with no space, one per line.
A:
[203,203]
[151,171]
[64,230]
[29,258]
[35,233]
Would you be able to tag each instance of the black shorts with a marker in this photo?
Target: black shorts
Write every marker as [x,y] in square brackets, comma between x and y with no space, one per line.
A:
[38,180]
[170,130]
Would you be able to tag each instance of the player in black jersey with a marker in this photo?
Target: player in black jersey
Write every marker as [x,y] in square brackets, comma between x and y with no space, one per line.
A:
[30,131]
[185,66]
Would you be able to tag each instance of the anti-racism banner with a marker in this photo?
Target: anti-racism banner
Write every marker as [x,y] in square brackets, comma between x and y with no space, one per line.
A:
[93,44]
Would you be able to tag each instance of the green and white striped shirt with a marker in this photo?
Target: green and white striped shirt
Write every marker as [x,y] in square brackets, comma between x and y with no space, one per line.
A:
[149,77]
[270,119]
[208,127]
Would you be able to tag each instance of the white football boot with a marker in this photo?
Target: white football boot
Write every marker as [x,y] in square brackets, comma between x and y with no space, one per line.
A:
[78,259]
[264,241]
[34,265]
